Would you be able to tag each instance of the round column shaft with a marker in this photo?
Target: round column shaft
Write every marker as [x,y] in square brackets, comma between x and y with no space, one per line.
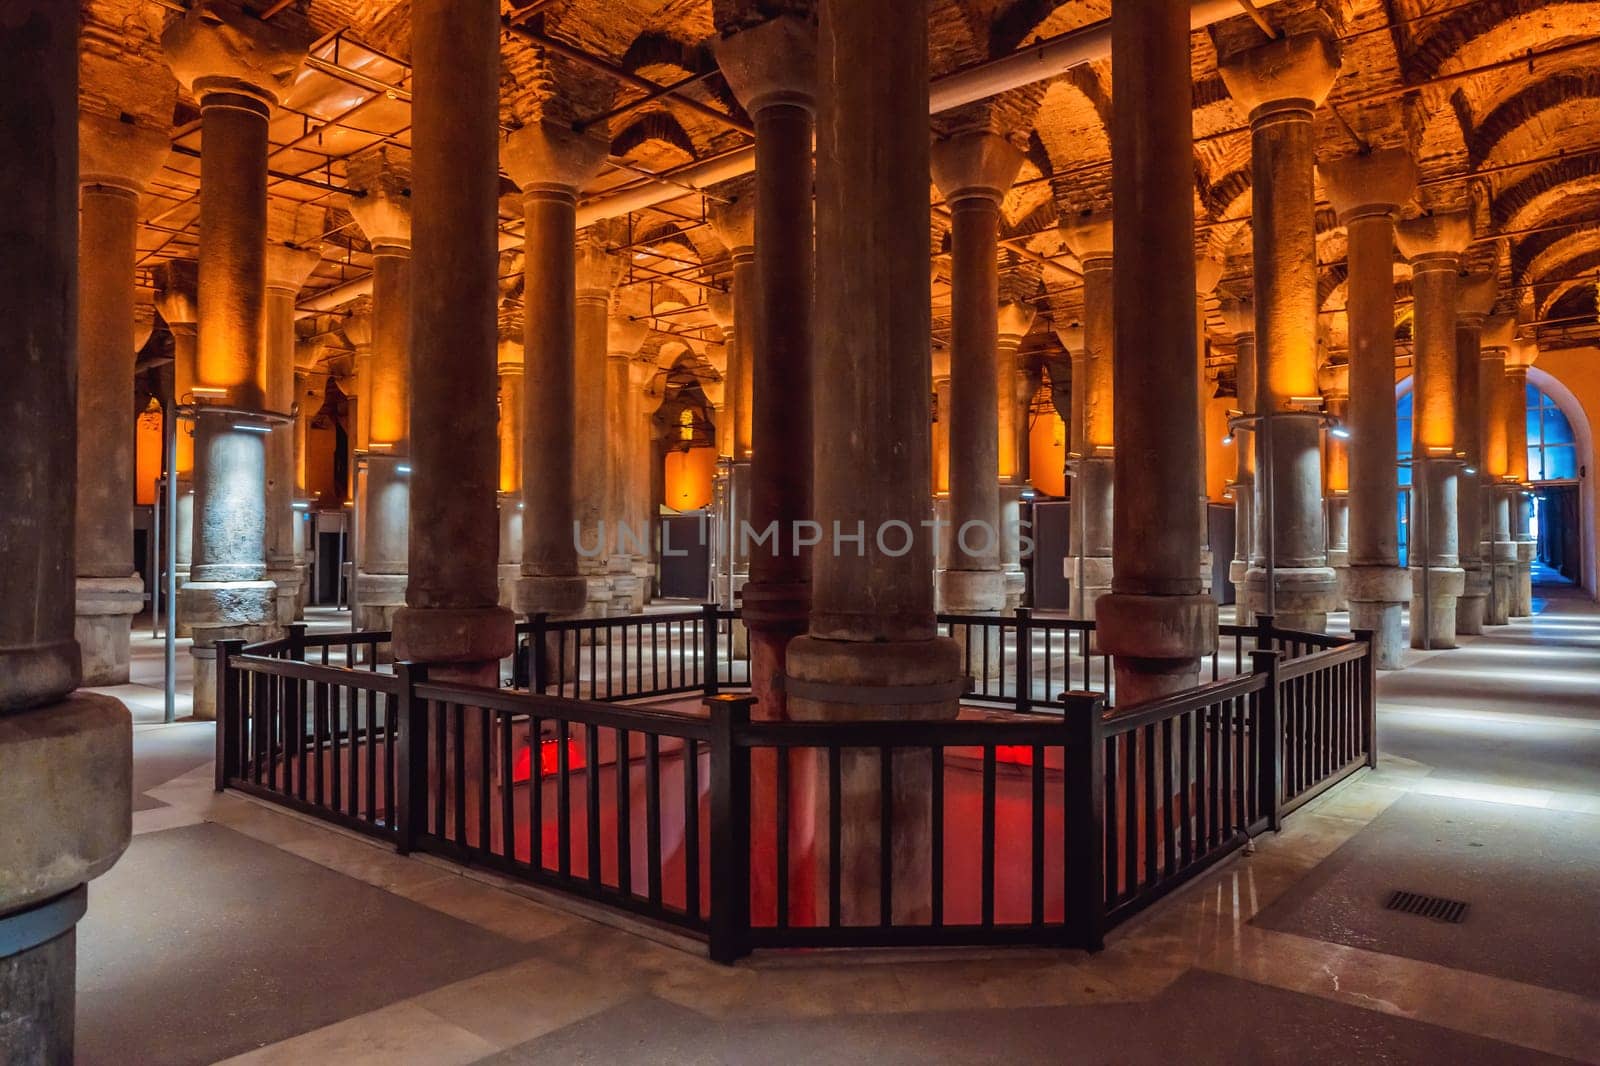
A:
[117,160]
[1207,273]
[1334,380]
[512,407]
[1281,84]
[628,541]
[1090,239]
[1240,316]
[177,301]
[1476,299]
[1013,396]
[941,424]
[1499,550]
[287,270]
[597,271]
[1434,244]
[1519,356]
[1155,621]
[452,619]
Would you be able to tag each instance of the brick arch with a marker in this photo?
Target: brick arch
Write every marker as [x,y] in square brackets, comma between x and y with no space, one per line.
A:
[1525,195]
[1575,299]
[657,126]
[1443,40]
[1555,91]
[1226,192]
[1579,270]
[1023,19]
[1330,281]
[1553,255]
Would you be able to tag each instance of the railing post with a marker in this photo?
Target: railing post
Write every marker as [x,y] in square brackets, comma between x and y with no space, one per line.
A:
[1264,638]
[519,657]
[711,661]
[538,653]
[295,632]
[1085,792]
[730,829]
[1024,664]
[227,762]
[1269,739]
[411,757]
[1369,696]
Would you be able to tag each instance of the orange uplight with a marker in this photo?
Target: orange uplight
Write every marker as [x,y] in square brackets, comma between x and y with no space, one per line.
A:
[688,477]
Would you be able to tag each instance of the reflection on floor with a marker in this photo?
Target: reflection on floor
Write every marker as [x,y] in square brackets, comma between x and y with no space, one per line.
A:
[233,929]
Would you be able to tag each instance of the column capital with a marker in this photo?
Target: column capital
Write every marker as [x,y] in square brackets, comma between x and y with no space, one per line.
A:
[1293,71]
[177,293]
[719,305]
[544,158]
[1475,296]
[597,269]
[624,336]
[1520,355]
[974,165]
[734,222]
[214,49]
[121,155]
[715,391]
[1499,332]
[1071,338]
[1239,315]
[508,353]
[380,198]
[357,330]
[1434,242]
[288,267]
[1207,273]
[1088,235]
[1376,183]
[772,64]
[1333,380]
[1016,320]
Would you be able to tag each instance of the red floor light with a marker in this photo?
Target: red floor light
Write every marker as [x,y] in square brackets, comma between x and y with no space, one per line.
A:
[549,759]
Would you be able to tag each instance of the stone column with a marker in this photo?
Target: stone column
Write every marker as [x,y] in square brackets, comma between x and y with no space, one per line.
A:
[1207,273]
[288,266]
[1475,296]
[1155,621]
[1494,428]
[624,338]
[65,756]
[1434,244]
[512,409]
[772,69]
[873,649]
[381,204]
[1520,355]
[733,423]
[1281,83]
[597,271]
[550,164]
[1012,396]
[116,161]
[302,504]
[941,423]
[1240,316]
[1089,560]
[645,488]
[735,312]
[1334,381]
[1367,191]
[452,619]
[177,301]
[972,171]
[237,68]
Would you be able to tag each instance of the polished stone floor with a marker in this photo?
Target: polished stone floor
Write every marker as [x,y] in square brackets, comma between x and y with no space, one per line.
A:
[234,931]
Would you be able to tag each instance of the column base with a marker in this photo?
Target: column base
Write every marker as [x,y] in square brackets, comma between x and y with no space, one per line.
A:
[1301,599]
[1207,562]
[73,761]
[465,641]
[1016,588]
[1156,642]
[287,579]
[597,595]
[1242,614]
[559,596]
[1339,563]
[1087,586]
[1378,595]
[1522,589]
[223,610]
[509,574]
[843,680]
[974,592]
[774,615]
[1502,556]
[180,579]
[645,571]
[1472,607]
[105,610]
[378,597]
[1433,616]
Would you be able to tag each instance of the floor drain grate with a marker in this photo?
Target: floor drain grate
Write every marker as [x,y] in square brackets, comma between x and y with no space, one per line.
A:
[1435,907]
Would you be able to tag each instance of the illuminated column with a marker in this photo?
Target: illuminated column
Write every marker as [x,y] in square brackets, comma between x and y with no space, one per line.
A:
[550,164]
[452,619]
[380,201]
[237,69]
[596,271]
[1475,297]
[1281,84]
[1155,621]
[624,337]
[1334,381]
[302,504]
[116,161]
[65,756]
[733,472]
[512,410]
[735,225]
[1520,355]
[1016,320]
[1367,191]
[873,649]
[1240,317]
[1207,272]
[1090,239]
[972,171]
[941,423]
[642,491]
[287,268]
[1494,428]
[772,69]
[1434,244]
[178,304]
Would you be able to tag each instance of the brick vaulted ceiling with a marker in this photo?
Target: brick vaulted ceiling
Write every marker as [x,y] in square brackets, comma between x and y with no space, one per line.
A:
[1498,99]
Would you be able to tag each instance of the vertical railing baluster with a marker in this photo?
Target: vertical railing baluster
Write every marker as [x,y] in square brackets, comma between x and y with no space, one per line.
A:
[591,794]
[885,837]
[1084,784]
[623,778]
[563,801]
[835,821]
[652,810]
[730,828]
[691,831]
[936,859]
[1036,835]
[1024,660]
[782,803]
[536,793]
[508,794]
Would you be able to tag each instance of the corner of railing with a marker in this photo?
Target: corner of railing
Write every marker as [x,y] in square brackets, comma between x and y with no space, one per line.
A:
[227,761]
[1269,739]
[538,667]
[411,755]
[729,923]
[711,663]
[1085,765]
[1265,640]
[295,634]
[1024,660]
[1369,694]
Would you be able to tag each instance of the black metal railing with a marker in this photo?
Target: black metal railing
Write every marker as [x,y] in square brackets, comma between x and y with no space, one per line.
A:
[625,657]
[1043,828]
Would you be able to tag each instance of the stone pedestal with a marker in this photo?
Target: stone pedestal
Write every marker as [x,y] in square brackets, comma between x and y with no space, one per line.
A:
[1338,519]
[1377,595]
[105,610]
